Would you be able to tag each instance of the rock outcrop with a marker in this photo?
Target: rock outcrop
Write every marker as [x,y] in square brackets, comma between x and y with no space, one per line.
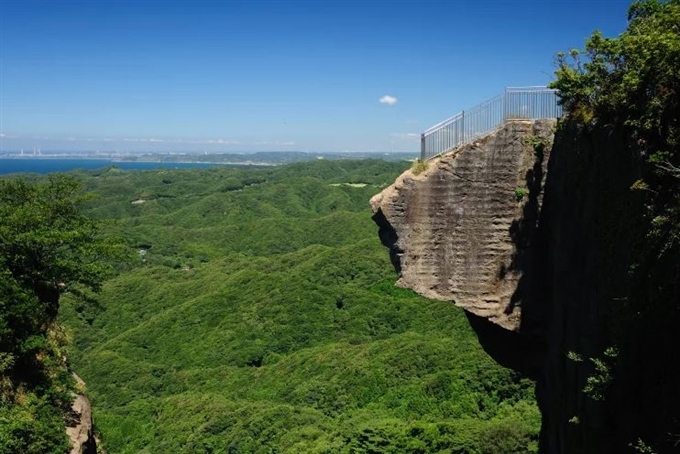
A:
[81,429]
[576,299]
[460,230]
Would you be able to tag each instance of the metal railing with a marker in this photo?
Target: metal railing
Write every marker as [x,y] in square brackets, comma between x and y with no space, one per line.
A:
[530,103]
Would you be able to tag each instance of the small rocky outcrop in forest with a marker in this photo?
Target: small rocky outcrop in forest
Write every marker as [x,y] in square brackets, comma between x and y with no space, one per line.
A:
[80,428]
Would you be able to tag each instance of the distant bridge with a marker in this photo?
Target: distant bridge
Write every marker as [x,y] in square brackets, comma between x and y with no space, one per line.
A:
[529,103]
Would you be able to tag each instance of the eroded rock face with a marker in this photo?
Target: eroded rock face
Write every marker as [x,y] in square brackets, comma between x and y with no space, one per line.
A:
[81,430]
[460,231]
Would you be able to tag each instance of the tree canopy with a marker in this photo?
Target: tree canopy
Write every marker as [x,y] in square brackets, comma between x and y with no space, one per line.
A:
[47,246]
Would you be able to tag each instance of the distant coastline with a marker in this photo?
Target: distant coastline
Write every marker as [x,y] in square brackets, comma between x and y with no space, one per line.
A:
[65,162]
[47,163]
[44,165]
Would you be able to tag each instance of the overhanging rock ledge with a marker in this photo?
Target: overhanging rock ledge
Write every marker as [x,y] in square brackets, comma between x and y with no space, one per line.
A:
[461,230]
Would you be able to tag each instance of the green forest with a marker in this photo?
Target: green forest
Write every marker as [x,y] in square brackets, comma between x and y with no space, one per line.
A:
[254,311]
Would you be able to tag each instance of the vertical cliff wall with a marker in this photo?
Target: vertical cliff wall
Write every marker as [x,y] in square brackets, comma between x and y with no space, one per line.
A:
[610,302]
[585,229]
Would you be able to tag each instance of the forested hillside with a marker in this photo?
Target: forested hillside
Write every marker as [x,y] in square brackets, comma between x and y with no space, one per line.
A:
[256,313]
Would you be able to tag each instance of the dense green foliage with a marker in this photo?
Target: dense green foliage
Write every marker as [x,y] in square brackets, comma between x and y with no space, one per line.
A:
[259,315]
[624,94]
[631,84]
[46,246]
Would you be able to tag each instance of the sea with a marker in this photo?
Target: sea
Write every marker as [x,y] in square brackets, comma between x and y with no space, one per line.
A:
[43,166]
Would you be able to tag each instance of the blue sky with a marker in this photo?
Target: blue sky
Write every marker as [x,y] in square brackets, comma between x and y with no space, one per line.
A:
[135,75]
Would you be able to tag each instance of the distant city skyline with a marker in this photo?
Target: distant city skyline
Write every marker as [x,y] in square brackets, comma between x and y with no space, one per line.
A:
[316,76]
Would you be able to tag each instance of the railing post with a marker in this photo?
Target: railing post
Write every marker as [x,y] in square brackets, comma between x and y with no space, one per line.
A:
[462,124]
[505,104]
[422,147]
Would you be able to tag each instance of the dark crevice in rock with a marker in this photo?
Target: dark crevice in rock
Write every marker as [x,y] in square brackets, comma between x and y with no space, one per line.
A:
[388,238]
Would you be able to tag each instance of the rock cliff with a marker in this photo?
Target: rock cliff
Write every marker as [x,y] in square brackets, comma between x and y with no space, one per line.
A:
[574,298]
[80,428]
[460,230]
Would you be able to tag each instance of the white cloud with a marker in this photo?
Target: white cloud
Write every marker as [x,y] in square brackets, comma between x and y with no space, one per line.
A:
[137,139]
[275,143]
[406,136]
[218,142]
[2,135]
[389,100]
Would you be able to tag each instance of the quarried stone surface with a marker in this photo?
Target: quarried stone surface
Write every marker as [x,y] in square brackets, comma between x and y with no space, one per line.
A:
[460,230]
